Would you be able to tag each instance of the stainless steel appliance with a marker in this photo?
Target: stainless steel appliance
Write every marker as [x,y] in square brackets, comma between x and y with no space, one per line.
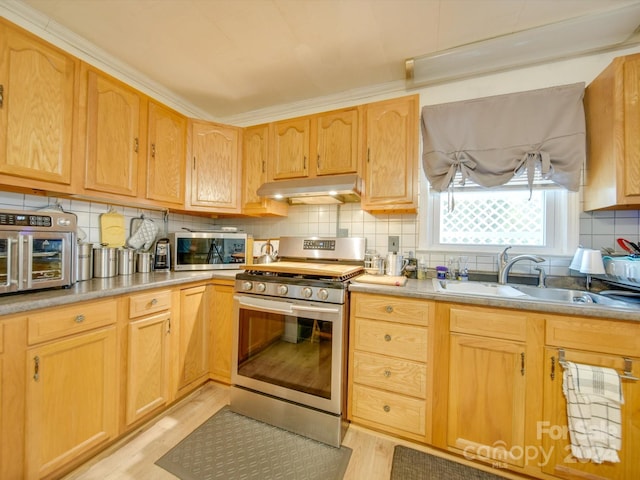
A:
[162,256]
[208,250]
[37,250]
[290,336]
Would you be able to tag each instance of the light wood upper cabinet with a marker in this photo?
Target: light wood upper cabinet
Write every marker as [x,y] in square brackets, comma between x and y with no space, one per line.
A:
[391,156]
[255,158]
[37,111]
[166,151]
[336,137]
[612,110]
[113,135]
[214,167]
[290,150]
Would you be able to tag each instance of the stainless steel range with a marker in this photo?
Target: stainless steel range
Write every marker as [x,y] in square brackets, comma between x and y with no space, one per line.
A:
[290,336]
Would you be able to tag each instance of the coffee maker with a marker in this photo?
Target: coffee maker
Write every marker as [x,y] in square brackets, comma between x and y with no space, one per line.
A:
[162,256]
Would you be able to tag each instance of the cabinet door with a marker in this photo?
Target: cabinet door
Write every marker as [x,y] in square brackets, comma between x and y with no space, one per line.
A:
[337,142]
[554,430]
[148,367]
[390,169]
[215,167]
[71,404]
[221,333]
[255,159]
[194,336]
[36,110]
[486,398]
[290,157]
[166,152]
[113,135]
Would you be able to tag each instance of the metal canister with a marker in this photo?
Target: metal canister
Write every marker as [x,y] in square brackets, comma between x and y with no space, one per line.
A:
[126,261]
[143,262]
[105,261]
[84,262]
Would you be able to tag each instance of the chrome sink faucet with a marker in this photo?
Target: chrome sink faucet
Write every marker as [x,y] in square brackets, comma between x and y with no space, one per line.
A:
[505,264]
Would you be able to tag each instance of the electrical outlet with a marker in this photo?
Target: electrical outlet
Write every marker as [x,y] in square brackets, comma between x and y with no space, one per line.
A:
[343,232]
[394,244]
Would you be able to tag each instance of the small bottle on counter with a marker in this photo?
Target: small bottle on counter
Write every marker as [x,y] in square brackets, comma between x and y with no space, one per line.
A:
[422,271]
[441,272]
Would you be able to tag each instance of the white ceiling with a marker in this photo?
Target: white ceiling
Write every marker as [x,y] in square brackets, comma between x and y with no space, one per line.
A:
[230,57]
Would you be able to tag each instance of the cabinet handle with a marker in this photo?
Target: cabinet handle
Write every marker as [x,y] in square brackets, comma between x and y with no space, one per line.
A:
[1,96]
[194,163]
[387,338]
[154,301]
[318,162]
[553,368]
[264,167]
[388,309]
[36,368]
[368,154]
[304,162]
[522,364]
[153,150]
[135,144]
[168,325]
[387,373]
[386,408]
[79,318]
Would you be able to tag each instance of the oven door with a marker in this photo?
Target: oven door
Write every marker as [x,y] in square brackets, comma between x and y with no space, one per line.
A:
[45,260]
[290,349]
[8,262]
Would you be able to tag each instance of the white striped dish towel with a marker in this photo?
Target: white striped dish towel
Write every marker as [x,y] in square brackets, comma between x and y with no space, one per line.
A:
[594,396]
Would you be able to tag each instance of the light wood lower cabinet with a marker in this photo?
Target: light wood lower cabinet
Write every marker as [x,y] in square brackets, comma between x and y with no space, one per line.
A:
[71,399]
[221,331]
[193,338]
[148,373]
[390,365]
[494,370]
[591,342]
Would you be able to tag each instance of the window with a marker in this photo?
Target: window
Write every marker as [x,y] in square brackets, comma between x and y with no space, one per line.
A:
[485,220]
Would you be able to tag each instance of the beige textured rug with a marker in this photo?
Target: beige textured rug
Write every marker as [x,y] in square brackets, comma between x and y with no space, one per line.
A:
[229,446]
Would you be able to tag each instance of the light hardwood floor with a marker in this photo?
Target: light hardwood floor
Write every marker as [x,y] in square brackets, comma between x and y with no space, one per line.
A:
[133,458]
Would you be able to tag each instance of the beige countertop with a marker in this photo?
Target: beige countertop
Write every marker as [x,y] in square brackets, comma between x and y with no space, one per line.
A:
[424,289]
[105,287]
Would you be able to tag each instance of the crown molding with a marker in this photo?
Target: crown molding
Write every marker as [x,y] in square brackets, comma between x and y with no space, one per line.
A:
[44,27]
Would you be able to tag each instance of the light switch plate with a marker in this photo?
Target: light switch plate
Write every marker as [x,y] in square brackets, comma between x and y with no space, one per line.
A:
[394,244]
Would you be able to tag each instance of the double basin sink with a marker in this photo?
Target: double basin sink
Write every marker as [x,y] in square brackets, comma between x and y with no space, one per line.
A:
[526,292]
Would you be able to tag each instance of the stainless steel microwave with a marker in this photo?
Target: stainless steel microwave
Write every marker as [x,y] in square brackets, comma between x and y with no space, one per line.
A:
[208,250]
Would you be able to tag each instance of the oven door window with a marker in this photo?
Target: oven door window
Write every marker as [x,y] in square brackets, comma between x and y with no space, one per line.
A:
[47,262]
[293,352]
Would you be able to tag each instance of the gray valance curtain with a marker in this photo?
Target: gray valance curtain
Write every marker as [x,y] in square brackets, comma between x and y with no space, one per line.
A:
[490,140]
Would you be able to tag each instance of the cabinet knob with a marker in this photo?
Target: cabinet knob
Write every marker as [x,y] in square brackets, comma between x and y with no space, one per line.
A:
[79,318]
[389,309]
[387,338]
[386,408]
[387,373]
[154,301]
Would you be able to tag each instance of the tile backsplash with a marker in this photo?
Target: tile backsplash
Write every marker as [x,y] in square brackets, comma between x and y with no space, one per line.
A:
[597,229]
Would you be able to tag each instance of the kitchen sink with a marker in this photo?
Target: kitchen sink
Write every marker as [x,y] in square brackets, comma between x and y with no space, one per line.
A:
[526,292]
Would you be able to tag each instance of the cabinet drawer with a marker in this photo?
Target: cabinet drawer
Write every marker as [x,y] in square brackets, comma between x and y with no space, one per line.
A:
[151,302]
[508,325]
[403,341]
[392,410]
[604,336]
[60,322]
[393,309]
[392,374]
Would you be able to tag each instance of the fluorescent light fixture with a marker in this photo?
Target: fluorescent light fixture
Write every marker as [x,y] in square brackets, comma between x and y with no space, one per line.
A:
[587,34]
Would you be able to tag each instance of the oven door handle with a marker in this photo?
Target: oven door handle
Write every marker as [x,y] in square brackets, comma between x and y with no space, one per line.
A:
[303,308]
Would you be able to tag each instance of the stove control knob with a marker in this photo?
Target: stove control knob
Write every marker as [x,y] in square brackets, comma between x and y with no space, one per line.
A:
[261,287]
[323,294]
[282,289]
[246,286]
[307,292]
